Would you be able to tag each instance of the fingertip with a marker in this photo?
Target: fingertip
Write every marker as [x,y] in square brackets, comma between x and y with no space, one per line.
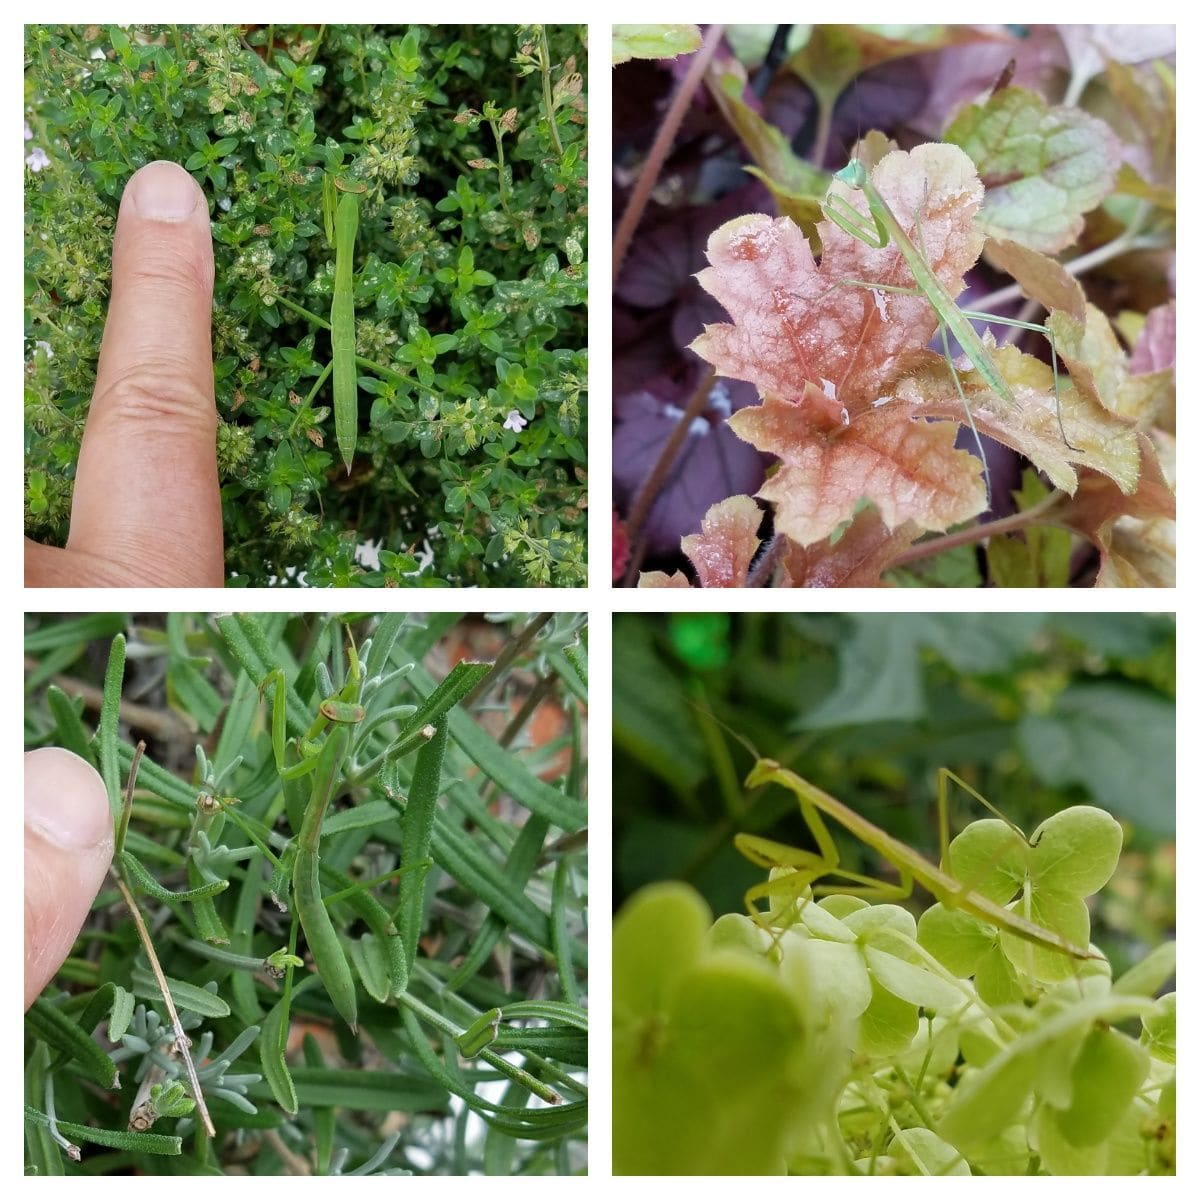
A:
[164,191]
[66,801]
[68,848]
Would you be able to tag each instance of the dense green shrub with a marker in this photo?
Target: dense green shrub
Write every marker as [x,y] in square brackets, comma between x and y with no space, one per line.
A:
[450,865]
[470,282]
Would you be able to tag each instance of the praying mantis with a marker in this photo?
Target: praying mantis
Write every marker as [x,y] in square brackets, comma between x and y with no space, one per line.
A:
[341,228]
[878,228]
[343,713]
[807,867]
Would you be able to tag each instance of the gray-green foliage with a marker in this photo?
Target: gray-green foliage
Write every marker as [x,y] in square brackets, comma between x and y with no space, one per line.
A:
[469,281]
[492,900]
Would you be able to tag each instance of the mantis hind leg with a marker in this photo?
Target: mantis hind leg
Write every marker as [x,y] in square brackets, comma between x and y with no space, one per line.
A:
[1048,334]
[965,886]
[987,476]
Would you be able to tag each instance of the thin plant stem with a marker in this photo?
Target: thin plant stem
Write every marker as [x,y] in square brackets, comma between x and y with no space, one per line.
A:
[640,196]
[513,647]
[643,502]
[181,1038]
[977,533]
[547,94]
[824,128]
[1077,266]
[127,807]
[164,725]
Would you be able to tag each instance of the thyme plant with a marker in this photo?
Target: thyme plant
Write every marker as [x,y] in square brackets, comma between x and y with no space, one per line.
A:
[466,149]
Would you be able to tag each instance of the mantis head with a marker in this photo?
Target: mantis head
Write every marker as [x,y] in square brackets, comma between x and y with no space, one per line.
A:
[853,174]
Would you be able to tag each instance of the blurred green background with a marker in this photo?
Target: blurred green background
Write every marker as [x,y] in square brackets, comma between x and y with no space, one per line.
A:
[1037,711]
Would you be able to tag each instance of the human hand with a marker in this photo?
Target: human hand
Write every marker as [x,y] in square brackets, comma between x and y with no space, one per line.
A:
[147,507]
[68,847]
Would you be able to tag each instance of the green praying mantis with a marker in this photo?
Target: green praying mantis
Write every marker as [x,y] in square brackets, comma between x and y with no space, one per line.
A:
[878,228]
[339,196]
[341,228]
[340,714]
[804,867]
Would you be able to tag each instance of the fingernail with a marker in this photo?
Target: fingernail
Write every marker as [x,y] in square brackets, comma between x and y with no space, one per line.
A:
[65,800]
[164,191]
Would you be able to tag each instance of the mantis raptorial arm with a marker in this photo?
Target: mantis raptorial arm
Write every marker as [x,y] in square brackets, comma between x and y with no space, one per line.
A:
[342,708]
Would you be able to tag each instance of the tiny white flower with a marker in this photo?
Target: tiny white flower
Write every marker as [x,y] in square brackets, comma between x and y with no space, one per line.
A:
[366,554]
[97,53]
[36,159]
[28,131]
[45,346]
[515,421]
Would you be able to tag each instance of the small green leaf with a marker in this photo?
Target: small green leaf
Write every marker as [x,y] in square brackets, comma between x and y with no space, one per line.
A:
[1158,1029]
[119,1139]
[1075,851]
[1043,166]
[186,995]
[271,1051]
[912,983]
[1144,978]
[653,41]
[928,1154]
[56,1029]
[145,882]
[991,858]
[1106,1075]
[988,1099]
[888,1025]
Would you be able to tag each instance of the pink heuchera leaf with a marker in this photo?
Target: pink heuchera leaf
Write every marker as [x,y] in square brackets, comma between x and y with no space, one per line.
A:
[796,323]
[726,544]
[723,549]
[855,406]
[822,352]
[660,579]
[1155,349]
[857,559]
[908,469]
